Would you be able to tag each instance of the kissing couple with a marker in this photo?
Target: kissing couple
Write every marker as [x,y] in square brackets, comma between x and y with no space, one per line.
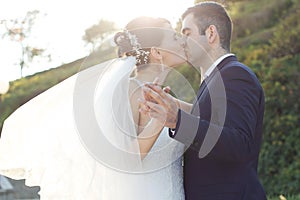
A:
[113,132]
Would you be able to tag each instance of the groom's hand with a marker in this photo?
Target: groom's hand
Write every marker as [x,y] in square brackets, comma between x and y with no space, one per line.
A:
[159,104]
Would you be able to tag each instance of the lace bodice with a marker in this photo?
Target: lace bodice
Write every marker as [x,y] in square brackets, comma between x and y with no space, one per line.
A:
[165,162]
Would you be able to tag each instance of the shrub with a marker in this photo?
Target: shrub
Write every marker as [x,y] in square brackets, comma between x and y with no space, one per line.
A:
[280,156]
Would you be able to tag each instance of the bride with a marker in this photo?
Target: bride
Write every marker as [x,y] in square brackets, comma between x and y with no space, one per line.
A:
[85,137]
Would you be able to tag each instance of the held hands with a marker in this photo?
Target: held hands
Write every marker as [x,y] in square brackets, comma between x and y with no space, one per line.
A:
[159,104]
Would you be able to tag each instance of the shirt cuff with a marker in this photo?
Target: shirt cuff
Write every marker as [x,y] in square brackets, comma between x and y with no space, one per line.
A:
[172,131]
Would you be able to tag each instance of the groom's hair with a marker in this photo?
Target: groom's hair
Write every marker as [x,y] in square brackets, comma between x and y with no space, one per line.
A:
[212,13]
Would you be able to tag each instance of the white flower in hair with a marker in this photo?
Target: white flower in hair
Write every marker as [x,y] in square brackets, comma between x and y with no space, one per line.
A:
[136,46]
[133,40]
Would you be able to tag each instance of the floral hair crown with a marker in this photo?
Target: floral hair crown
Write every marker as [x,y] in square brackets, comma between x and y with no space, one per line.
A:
[142,56]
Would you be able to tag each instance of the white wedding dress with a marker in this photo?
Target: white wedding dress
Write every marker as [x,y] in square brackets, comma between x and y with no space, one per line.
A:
[77,141]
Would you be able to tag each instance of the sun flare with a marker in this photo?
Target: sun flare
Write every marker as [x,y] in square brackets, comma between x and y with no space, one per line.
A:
[63,25]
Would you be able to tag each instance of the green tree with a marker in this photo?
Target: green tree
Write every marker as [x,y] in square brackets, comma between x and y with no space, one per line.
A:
[19,30]
[286,36]
[222,1]
[95,34]
[282,132]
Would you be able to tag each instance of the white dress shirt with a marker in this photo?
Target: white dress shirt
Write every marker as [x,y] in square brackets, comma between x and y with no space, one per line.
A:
[215,64]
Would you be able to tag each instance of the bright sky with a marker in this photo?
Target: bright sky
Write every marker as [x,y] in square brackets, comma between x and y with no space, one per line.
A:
[62,27]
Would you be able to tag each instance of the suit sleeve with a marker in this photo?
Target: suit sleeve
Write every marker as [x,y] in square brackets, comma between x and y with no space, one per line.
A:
[232,133]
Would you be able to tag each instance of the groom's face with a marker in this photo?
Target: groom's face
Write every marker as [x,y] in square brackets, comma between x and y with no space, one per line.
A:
[196,45]
[172,46]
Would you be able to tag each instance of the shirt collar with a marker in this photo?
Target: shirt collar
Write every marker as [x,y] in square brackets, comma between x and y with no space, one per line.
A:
[215,64]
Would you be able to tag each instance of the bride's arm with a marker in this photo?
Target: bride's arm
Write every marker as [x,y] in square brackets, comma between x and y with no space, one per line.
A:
[187,107]
[148,136]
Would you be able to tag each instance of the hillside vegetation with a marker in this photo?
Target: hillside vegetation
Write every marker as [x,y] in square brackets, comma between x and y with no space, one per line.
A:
[267,38]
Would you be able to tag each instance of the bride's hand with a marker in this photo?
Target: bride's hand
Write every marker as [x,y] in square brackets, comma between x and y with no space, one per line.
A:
[160,105]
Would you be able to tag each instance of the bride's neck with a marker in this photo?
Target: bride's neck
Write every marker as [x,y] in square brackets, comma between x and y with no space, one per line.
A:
[149,73]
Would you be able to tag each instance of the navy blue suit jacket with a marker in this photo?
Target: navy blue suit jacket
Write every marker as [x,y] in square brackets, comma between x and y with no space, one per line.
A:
[223,135]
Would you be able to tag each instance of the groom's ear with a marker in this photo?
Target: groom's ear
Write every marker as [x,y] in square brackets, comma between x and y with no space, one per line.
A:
[156,53]
[212,34]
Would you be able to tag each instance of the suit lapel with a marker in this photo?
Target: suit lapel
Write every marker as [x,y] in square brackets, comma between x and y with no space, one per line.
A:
[206,81]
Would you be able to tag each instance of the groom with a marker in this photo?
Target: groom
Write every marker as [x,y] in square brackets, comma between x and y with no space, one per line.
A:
[223,130]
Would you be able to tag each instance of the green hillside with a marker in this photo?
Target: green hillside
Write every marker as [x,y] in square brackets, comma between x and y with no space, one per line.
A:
[266,37]
[24,89]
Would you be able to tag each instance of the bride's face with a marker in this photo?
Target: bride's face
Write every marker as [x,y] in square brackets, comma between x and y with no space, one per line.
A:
[172,47]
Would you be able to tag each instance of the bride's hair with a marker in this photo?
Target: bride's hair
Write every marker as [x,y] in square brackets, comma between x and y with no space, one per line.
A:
[139,35]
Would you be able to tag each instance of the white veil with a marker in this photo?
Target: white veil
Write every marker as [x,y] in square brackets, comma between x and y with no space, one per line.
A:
[109,132]
[84,122]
